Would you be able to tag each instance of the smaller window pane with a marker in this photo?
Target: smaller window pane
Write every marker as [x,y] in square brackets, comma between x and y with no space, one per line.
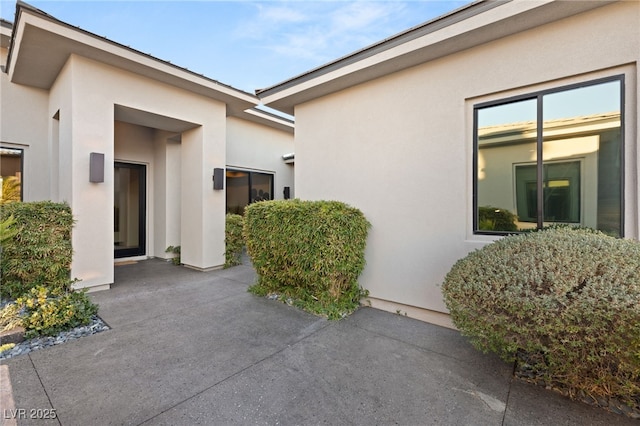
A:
[244,188]
[11,175]
[585,123]
[506,135]
[261,185]
[237,191]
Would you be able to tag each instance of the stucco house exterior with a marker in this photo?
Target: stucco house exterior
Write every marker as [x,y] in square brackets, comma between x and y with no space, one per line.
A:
[132,144]
[525,110]
[522,107]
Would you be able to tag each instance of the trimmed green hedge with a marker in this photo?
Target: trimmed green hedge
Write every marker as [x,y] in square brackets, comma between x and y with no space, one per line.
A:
[233,239]
[39,254]
[309,251]
[565,301]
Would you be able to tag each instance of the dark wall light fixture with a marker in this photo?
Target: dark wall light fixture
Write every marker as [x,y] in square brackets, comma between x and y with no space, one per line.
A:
[96,167]
[218,179]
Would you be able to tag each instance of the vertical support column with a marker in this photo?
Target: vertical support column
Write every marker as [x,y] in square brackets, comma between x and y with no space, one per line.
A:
[167,184]
[203,209]
[54,155]
[92,130]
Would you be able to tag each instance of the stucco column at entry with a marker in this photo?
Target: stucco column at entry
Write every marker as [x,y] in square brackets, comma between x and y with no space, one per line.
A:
[202,208]
[167,177]
[92,203]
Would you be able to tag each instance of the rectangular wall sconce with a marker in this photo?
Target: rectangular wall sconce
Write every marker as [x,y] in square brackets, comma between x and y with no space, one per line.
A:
[287,192]
[218,179]
[96,167]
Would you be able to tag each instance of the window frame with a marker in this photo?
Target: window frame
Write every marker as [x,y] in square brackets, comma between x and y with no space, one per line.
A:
[22,153]
[538,96]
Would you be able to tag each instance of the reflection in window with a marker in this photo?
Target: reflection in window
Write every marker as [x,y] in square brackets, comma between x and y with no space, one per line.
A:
[562,166]
[244,188]
[561,192]
[10,175]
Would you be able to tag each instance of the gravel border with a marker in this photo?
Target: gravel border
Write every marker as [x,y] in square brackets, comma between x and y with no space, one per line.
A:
[95,326]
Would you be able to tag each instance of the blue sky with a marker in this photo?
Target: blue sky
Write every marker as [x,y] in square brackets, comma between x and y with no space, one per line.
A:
[245,44]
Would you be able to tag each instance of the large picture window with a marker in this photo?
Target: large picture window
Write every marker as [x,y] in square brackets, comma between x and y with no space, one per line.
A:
[550,157]
[244,188]
[11,174]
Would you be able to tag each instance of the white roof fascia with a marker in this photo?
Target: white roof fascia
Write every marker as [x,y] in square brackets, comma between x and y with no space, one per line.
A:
[271,120]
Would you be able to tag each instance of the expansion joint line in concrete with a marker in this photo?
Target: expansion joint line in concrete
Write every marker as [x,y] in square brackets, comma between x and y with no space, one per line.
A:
[44,389]
[511,380]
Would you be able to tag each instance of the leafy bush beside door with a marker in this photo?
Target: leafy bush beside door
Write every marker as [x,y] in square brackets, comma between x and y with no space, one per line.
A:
[40,253]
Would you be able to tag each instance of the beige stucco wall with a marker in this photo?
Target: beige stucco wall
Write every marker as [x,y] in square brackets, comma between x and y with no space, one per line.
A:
[24,125]
[255,147]
[60,137]
[400,147]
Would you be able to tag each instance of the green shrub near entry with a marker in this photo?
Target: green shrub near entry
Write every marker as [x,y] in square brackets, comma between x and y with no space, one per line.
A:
[175,250]
[40,253]
[7,230]
[233,239]
[309,251]
[568,301]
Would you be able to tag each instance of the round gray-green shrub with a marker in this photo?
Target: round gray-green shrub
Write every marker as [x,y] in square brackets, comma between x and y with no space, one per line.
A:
[568,298]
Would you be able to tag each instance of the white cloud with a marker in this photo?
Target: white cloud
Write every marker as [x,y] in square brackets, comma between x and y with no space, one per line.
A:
[319,31]
[311,44]
[300,35]
[360,15]
[268,18]
[281,14]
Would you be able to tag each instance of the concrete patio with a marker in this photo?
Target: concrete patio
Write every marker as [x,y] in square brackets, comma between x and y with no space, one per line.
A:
[188,347]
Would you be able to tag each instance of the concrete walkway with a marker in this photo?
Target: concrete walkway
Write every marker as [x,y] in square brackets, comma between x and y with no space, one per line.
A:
[189,347]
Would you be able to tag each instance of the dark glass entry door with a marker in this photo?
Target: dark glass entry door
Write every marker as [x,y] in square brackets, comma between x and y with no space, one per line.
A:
[129,201]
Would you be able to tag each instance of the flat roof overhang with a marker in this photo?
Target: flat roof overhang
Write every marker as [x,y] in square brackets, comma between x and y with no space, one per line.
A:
[469,26]
[266,118]
[41,45]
